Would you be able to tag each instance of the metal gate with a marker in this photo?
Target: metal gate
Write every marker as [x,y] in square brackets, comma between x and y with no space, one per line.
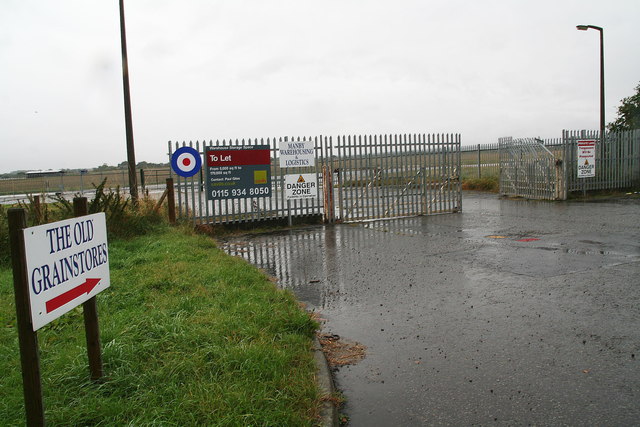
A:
[528,169]
[359,178]
[391,176]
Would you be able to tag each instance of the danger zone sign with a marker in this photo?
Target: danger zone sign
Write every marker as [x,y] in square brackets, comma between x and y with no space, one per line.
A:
[586,159]
[301,186]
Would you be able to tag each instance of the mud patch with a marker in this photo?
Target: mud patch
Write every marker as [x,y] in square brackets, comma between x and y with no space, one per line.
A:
[341,352]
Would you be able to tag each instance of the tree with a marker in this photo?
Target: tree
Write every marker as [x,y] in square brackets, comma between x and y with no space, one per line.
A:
[628,114]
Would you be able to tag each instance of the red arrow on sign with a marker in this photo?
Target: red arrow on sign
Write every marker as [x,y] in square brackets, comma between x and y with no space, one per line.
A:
[71,294]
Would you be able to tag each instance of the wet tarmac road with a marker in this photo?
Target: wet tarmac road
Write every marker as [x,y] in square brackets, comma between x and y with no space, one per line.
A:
[510,313]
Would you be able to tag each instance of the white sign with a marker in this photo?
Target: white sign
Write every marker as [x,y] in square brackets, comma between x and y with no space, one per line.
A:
[301,186]
[586,158]
[297,154]
[67,263]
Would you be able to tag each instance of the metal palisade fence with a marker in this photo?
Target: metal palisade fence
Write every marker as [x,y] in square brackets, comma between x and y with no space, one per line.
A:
[193,201]
[357,177]
[617,160]
[537,169]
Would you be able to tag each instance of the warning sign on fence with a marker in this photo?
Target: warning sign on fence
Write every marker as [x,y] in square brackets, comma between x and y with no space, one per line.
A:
[587,158]
[301,186]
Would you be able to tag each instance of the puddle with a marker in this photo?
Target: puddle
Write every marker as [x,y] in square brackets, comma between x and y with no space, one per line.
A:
[463,329]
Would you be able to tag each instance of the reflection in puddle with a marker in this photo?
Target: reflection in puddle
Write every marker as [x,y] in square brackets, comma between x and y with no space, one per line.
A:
[317,263]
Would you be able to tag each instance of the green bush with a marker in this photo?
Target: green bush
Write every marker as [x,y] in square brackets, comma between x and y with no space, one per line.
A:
[124,219]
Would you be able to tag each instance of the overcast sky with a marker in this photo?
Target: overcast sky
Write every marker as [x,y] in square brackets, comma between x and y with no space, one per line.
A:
[209,69]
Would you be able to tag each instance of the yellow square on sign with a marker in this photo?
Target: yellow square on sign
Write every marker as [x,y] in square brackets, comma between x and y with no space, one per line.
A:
[260,177]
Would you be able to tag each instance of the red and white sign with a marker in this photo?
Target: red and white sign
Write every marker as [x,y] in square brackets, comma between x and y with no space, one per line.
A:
[587,158]
[67,263]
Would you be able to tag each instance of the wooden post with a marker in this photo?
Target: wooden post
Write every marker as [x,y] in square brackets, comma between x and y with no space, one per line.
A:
[28,338]
[37,207]
[142,183]
[90,311]
[326,178]
[171,201]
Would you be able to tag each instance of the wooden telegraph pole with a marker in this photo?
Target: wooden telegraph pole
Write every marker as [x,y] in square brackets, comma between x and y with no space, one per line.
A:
[131,155]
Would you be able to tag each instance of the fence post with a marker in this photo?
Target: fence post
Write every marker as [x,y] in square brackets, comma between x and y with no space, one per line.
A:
[327,187]
[171,201]
[559,189]
[479,173]
[27,337]
[500,176]
[142,183]
[38,209]
[90,311]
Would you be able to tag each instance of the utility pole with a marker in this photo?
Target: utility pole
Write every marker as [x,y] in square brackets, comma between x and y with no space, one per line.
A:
[131,155]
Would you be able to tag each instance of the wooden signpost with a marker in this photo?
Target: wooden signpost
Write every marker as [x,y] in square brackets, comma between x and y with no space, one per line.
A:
[56,267]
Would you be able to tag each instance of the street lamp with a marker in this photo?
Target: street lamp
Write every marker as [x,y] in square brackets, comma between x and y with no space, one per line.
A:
[585,28]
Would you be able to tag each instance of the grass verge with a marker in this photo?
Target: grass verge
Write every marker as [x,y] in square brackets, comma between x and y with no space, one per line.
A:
[489,184]
[190,336]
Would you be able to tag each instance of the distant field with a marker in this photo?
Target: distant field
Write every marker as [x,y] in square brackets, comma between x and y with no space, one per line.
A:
[488,164]
[77,182]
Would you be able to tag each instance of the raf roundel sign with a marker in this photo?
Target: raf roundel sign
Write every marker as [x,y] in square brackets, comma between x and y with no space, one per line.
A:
[186,161]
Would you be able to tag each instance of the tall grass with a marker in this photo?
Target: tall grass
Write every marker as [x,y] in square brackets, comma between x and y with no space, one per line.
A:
[124,219]
[190,336]
[4,237]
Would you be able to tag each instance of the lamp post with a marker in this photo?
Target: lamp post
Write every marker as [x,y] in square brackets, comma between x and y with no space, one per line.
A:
[585,28]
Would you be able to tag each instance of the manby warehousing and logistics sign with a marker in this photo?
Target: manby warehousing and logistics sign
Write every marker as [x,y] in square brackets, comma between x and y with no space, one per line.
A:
[301,186]
[237,172]
[586,158]
[297,154]
[67,263]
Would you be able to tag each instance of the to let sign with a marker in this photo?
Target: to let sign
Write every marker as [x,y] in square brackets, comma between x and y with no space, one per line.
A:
[67,263]
[238,172]
[586,158]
